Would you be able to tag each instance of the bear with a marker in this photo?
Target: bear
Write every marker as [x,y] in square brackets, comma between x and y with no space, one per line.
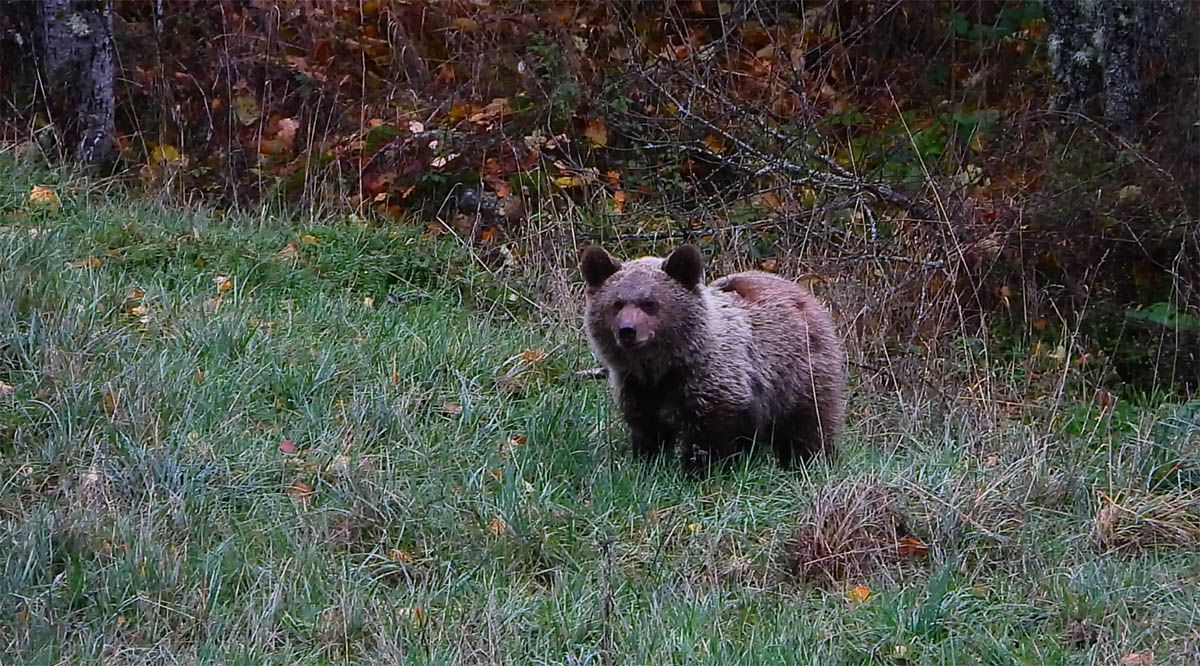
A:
[706,368]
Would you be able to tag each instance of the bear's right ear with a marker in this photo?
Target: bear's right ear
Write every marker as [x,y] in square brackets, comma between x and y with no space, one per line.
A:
[597,265]
[685,265]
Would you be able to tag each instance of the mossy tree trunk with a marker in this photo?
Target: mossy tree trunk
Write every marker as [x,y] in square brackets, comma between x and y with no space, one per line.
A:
[72,43]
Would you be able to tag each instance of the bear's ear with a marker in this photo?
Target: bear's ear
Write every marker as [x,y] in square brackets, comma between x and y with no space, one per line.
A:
[597,265]
[685,265]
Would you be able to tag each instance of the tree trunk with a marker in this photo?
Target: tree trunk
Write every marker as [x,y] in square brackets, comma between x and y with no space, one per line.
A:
[1099,45]
[76,59]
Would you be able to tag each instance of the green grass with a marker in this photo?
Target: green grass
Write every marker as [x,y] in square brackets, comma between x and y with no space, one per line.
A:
[149,515]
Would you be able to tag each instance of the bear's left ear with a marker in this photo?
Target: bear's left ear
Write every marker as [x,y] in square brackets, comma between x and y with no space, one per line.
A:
[685,265]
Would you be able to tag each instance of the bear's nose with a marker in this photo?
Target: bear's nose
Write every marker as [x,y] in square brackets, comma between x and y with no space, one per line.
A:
[627,332]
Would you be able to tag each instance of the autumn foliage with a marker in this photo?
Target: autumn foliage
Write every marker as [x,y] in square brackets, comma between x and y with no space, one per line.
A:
[907,143]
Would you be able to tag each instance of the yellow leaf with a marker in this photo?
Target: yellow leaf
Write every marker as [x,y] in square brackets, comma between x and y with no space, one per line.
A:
[596,132]
[164,153]
[533,355]
[223,283]
[568,181]
[139,311]
[245,108]
[136,294]
[400,555]
[714,143]
[368,302]
[309,239]
[44,198]
[694,528]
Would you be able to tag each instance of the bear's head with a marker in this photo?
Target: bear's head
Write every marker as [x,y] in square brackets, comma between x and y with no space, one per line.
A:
[644,305]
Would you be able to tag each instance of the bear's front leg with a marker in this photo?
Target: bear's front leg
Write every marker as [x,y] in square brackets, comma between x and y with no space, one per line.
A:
[649,435]
[714,438]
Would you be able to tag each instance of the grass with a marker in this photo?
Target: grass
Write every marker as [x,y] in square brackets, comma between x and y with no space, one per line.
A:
[225,440]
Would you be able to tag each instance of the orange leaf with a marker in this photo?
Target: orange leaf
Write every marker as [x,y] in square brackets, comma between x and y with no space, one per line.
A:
[619,200]
[301,492]
[90,262]
[533,355]
[859,594]
[497,526]
[910,547]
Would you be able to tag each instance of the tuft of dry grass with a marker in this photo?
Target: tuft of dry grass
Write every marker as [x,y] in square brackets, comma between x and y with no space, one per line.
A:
[852,529]
[1135,521]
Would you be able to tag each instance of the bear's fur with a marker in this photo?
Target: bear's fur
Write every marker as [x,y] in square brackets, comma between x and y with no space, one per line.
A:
[704,367]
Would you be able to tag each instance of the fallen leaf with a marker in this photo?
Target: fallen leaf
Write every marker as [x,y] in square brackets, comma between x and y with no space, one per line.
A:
[6,390]
[415,614]
[533,355]
[770,265]
[497,108]
[287,447]
[513,442]
[596,132]
[859,594]
[90,262]
[43,198]
[139,311]
[309,239]
[912,547]
[136,294]
[694,528]
[164,153]
[714,143]
[495,474]
[301,492]
[368,302]
[223,283]
[452,407]
[288,253]
[400,555]
[287,131]
[245,108]
[568,181]
[1138,659]
[619,201]
[497,526]
[465,24]
[416,126]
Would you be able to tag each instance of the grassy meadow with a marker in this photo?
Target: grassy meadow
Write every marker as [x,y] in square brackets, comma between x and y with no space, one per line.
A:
[246,440]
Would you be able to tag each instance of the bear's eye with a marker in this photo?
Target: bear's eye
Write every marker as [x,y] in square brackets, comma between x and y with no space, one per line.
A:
[648,306]
[618,304]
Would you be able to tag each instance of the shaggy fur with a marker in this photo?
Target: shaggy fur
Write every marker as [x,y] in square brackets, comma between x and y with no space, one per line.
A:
[707,367]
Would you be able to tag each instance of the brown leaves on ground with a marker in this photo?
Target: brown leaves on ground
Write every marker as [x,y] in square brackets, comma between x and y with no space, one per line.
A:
[1136,521]
[850,531]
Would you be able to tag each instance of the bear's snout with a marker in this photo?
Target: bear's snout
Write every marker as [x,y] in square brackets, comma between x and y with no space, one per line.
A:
[627,333]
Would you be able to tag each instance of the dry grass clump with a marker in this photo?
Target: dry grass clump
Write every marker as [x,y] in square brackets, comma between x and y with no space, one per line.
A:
[852,529]
[1135,521]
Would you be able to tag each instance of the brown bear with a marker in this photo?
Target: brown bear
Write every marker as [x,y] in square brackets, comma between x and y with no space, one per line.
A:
[707,367]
